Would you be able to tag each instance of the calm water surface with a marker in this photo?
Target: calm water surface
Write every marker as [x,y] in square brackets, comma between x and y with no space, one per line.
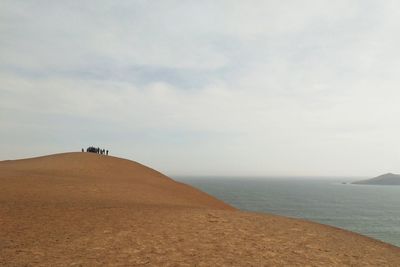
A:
[366,209]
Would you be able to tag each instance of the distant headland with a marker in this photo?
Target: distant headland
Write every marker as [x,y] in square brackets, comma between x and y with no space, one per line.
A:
[385,179]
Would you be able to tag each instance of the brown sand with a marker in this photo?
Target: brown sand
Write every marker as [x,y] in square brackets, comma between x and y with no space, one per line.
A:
[83,209]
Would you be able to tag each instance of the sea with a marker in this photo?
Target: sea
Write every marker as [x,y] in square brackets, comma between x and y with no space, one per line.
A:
[371,210]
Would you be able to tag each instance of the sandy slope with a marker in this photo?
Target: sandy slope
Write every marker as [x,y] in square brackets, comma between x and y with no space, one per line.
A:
[82,209]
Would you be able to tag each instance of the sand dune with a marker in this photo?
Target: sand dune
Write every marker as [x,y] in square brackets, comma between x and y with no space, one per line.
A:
[83,209]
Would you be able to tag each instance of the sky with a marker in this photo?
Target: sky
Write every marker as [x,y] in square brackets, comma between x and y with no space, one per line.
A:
[227,88]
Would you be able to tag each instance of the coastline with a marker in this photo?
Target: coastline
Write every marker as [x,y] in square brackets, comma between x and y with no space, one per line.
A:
[371,211]
[80,209]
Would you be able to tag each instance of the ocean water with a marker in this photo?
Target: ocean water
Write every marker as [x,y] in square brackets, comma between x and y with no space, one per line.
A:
[370,210]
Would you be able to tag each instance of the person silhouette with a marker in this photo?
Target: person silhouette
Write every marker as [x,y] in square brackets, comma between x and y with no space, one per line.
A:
[107,152]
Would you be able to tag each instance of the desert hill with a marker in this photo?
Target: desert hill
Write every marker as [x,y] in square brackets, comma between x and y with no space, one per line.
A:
[385,179]
[88,177]
[83,209]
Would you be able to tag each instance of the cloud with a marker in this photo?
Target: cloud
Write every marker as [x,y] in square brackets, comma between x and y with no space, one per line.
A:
[211,87]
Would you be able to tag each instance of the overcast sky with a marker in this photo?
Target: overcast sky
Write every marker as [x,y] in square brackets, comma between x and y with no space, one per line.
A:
[307,87]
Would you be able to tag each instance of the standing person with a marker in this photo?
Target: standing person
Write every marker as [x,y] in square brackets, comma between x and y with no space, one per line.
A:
[83,150]
[107,152]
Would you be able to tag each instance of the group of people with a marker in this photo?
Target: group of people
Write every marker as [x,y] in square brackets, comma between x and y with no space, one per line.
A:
[97,150]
